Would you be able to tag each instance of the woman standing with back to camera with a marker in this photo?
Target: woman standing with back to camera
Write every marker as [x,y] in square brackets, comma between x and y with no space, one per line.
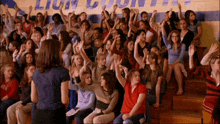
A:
[49,88]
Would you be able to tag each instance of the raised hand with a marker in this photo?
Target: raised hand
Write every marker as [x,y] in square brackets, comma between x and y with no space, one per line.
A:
[191,50]
[61,6]
[136,11]
[71,14]
[100,51]
[80,45]
[145,51]
[115,7]
[45,14]
[30,8]
[179,5]
[117,38]
[16,7]
[117,20]
[162,24]
[15,53]
[6,7]
[170,12]
[138,39]
[104,7]
[154,12]
[23,47]
[131,13]
[213,48]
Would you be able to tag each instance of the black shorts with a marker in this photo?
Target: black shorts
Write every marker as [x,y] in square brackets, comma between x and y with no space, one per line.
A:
[57,116]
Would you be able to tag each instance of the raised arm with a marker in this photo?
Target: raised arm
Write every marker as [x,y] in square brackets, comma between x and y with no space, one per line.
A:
[107,37]
[136,55]
[136,16]
[113,12]
[191,53]
[164,36]
[107,24]
[105,13]
[114,43]
[214,48]
[83,53]
[16,12]
[45,18]
[180,11]
[64,18]
[129,30]
[7,12]
[117,62]
[152,19]
[29,14]
[117,21]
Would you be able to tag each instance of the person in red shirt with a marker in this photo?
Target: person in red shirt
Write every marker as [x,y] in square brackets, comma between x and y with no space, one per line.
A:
[9,90]
[134,105]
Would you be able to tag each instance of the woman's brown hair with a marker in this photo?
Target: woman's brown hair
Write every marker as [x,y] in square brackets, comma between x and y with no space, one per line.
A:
[130,73]
[147,73]
[49,55]
[110,81]
[179,44]
[126,55]
[25,82]
[82,83]
[65,39]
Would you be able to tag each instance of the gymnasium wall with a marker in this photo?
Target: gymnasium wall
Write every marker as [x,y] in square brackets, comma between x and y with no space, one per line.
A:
[207,11]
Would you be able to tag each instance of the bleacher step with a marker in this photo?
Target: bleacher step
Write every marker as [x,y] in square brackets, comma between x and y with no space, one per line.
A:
[180,116]
[195,86]
[189,102]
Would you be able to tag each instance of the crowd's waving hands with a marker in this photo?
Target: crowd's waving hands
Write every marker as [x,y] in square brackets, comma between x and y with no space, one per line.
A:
[214,48]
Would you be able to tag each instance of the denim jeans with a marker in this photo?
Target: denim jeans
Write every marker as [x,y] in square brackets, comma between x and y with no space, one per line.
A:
[151,99]
[135,119]
[3,107]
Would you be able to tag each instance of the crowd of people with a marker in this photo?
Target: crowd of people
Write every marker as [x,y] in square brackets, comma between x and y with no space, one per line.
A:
[118,69]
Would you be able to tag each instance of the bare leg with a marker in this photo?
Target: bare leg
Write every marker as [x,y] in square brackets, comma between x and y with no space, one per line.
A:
[183,70]
[179,78]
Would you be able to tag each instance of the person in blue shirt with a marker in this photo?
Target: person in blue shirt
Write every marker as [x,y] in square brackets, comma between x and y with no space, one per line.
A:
[49,88]
[175,56]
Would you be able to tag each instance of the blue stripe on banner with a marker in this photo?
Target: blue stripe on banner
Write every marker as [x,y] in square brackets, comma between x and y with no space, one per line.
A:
[153,3]
[202,16]
[187,2]
[175,2]
[165,2]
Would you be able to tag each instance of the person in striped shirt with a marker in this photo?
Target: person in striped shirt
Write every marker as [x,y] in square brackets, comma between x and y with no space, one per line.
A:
[212,78]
